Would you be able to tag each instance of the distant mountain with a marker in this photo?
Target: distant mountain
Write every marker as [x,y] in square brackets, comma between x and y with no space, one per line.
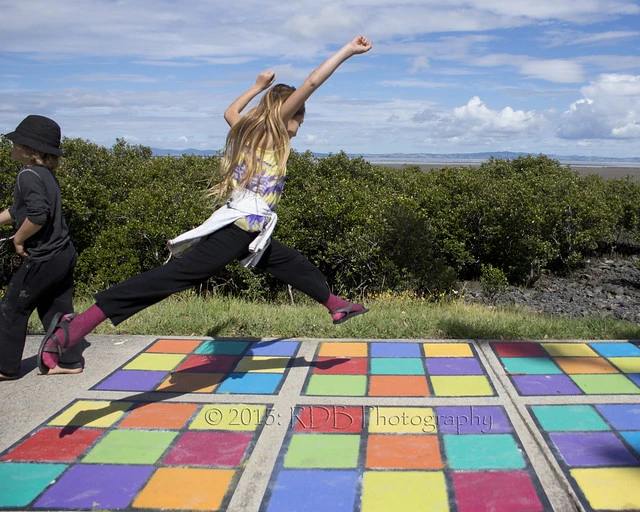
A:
[426,158]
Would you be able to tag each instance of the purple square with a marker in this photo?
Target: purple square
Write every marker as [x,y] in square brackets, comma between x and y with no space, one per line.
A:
[220,449]
[453,366]
[545,385]
[88,486]
[388,349]
[132,380]
[272,348]
[472,420]
[581,449]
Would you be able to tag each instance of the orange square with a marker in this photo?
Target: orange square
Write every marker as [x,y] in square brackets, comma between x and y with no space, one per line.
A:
[344,349]
[185,489]
[174,346]
[398,385]
[585,365]
[403,452]
[159,415]
[182,382]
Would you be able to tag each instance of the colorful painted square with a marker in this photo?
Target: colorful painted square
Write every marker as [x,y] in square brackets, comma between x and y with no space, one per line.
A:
[530,366]
[23,482]
[177,346]
[569,349]
[147,361]
[545,385]
[403,452]
[341,366]
[132,380]
[130,447]
[50,445]
[519,349]
[447,350]
[606,384]
[206,448]
[461,385]
[398,385]
[343,349]
[592,365]
[499,491]
[150,415]
[337,385]
[183,382]
[327,419]
[567,418]
[592,449]
[616,349]
[473,452]
[222,347]
[87,413]
[396,366]
[608,488]
[386,349]
[315,451]
[621,416]
[420,490]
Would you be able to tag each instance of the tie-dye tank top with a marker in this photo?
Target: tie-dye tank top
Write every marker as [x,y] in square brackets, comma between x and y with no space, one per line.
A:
[268,183]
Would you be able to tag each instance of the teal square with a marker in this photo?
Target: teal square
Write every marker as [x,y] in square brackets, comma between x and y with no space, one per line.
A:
[130,447]
[337,385]
[21,482]
[337,451]
[530,366]
[397,366]
[250,383]
[227,347]
[568,418]
[482,451]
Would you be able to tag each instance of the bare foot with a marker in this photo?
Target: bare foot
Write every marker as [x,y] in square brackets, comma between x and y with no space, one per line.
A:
[57,370]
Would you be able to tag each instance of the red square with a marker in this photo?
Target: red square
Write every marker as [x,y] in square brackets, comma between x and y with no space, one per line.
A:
[521,349]
[219,449]
[207,364]
[331,419]
[341,366]
[498,491]
[47,445]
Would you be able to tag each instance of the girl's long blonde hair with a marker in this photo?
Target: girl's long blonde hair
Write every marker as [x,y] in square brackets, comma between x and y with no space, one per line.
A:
[35,157]
[259,127]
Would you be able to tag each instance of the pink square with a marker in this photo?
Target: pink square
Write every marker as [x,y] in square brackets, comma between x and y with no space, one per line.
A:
[341,366]
[498,491]
[219,449]
[48,445]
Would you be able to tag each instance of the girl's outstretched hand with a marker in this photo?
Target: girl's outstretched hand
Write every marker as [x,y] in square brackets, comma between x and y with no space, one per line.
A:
[360,44]
[265,79]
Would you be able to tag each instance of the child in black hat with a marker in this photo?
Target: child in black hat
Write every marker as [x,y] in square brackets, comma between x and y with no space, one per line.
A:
[45,280]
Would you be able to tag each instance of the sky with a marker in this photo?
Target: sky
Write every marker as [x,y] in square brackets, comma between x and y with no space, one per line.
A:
[557,77]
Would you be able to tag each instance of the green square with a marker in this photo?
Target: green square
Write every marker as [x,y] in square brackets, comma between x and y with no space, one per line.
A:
[323,451]
[530,366]
[131,447]
[482,451]
[566,418]
[337,385]
[23,482]
[397,366]
[227,348]
[609,384]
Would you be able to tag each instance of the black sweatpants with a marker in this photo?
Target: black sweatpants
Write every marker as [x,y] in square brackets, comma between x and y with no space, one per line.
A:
[43,285]
[212,254]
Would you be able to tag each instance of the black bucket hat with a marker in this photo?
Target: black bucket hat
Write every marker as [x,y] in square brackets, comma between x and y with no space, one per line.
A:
[39,133]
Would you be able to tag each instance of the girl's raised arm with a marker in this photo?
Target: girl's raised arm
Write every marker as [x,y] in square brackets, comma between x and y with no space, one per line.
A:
[232,114]
[294,102]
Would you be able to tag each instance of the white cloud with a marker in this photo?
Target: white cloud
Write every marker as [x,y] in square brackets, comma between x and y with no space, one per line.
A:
[609,108]
[420,63]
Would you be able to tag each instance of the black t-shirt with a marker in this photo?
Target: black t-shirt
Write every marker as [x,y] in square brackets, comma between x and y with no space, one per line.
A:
[36,196]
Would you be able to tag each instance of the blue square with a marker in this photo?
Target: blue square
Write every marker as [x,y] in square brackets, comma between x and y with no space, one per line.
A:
[635,377]
[314,491]
[621,416]
[616,349]
[250,383]
[633,438]
[273,348]
[387,349]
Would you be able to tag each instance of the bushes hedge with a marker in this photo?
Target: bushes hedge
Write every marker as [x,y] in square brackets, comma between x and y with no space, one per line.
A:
[368,228]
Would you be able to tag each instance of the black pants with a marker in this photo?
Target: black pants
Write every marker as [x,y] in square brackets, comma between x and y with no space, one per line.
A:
[43,285]
[212,254]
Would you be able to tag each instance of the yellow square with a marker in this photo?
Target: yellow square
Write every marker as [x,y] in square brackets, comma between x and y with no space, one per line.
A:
[609,488]
[402,420]
[447,350]
[569,349]
[185,489]
[87,413]
[627,364]
[236,417]
[404,490]
[343,349]
[148,361]
[262,364]
[461,385]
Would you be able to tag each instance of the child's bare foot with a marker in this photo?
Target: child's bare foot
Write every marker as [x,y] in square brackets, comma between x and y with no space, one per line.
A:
[57,370]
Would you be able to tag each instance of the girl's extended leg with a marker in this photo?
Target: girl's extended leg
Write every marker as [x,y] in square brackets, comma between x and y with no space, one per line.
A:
[127,298]
[293,268]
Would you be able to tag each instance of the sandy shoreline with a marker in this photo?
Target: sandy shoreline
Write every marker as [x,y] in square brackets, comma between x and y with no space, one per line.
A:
[582,170]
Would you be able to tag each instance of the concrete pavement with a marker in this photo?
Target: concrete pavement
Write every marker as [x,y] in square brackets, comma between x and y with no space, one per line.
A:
[194,423]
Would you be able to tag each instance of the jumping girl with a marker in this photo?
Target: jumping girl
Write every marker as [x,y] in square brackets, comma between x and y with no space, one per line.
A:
[254,169]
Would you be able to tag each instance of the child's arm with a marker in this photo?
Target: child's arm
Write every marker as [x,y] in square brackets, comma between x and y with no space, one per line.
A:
[5,217]
[293,103]
[25,231]
[264,81]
